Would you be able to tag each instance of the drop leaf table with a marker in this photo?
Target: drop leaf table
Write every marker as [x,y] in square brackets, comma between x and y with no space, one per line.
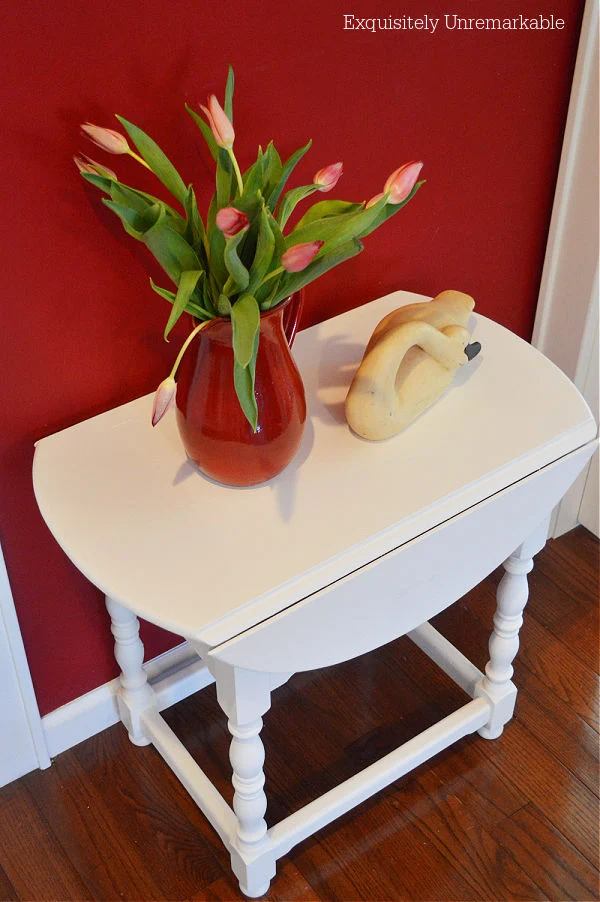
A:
[355,544]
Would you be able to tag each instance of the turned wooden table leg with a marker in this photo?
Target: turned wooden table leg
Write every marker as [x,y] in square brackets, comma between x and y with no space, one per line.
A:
[245,695]
[247,756]
[511,597]
[135,693]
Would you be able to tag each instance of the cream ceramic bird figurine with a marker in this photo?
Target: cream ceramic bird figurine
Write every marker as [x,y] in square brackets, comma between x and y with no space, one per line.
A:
[409,363]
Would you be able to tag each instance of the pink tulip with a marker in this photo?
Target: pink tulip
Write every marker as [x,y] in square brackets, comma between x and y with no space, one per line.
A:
[106,138]
[402,181]
[297,257]
[164,397]
[219,122]
[373,201]
[85,164]
[328,177]
[231,221]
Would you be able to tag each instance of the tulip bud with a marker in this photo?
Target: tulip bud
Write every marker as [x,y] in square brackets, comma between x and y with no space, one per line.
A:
[86,165]
[373,201]
[402,181]
[164,397]
[297,257]
[231,221]
[106,138]
[328,177]
[219,122]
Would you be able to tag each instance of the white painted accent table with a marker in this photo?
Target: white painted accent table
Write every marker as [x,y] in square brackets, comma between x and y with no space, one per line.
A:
[355,544]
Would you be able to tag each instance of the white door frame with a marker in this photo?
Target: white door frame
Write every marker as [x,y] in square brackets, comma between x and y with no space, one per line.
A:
[566,321]
[23,747]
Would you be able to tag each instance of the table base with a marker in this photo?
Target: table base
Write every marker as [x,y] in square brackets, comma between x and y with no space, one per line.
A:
[245,696]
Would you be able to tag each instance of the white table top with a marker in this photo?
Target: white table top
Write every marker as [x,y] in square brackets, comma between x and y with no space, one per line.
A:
[208,561]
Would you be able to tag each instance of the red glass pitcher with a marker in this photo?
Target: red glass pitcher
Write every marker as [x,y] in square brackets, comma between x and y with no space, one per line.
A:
[215,433]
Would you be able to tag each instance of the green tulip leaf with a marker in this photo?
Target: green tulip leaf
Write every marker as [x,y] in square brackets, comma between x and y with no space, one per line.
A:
[236,269]
[291,282]
[206,132]
[253,178]
[337,230]
[195,233]
[223,178]
[263,256]
[326,208]
[156,159]
[185,289]
[280,245]
[290,200]
[207,295]
[273,170]
[175,220]
[99,181]
[288,167]
[223,305]
[228,105]
[269,292]
[131,196]
[163,292]
[245,321]
[218,270]
[243,380]
[191,308]
[170,249]
[121,194]
[134,224]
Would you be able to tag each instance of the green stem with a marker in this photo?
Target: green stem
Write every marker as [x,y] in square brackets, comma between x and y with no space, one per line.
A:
[276,272]
[185,346]
[135,156]
[236,169]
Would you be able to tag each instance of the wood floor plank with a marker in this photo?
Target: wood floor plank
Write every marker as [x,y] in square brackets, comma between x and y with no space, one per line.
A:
[551,719]
[568,615]
[581,633]
[103,853]
[339,747]
[154,808]
[570,739]
[32,859]
[552,788]
[572,563]
[549,658]
[290,886]
[7,891]
[378,854]
[547,857]
[456,828]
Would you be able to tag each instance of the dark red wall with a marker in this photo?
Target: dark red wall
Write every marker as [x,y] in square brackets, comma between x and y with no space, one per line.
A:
[82,330]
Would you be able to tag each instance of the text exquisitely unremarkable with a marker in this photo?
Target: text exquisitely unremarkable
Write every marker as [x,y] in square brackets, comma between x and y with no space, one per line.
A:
[453,22]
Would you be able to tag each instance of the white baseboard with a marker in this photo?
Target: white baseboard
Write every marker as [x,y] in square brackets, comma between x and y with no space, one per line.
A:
[174,675]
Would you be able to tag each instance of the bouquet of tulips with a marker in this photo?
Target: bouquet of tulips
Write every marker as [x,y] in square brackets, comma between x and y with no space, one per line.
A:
[240,260]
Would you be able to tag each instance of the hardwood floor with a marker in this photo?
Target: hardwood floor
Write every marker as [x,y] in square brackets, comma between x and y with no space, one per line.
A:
[515,818]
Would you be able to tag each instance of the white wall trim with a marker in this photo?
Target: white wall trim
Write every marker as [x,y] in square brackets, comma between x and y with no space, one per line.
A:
[23,744]
[174,675]
[571,260]
[567,311]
